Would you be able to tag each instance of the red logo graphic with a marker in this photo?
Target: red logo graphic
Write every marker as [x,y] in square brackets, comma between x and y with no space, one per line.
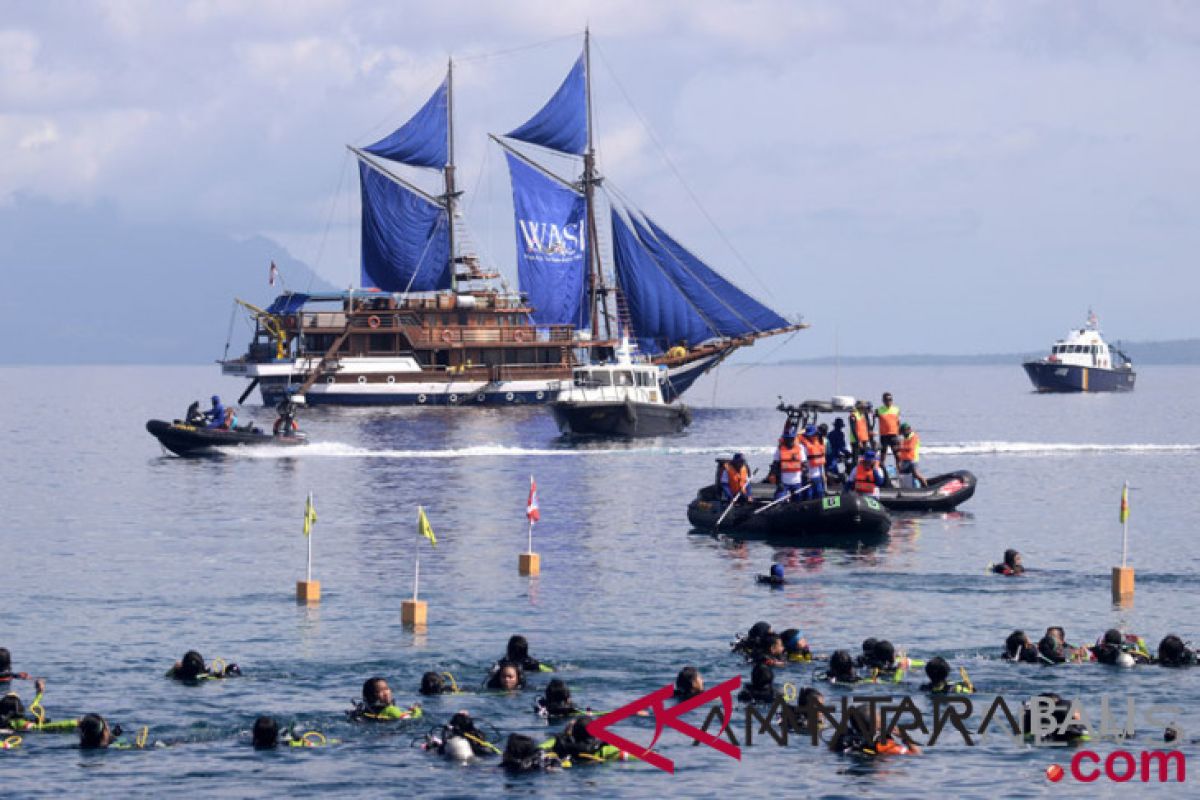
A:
[669,718]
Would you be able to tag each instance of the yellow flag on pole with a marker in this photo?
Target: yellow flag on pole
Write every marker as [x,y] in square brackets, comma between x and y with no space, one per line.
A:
[1125,504]
[423,526]
[310,514]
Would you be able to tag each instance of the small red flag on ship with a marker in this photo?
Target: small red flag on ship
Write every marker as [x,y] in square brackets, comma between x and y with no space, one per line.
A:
[272,274]
[531,508]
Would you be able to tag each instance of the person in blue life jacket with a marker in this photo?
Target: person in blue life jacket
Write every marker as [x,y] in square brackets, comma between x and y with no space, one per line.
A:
[835,447]
[216,414]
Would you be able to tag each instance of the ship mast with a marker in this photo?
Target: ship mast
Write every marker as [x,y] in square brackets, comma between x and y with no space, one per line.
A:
[451,195]
[597,290]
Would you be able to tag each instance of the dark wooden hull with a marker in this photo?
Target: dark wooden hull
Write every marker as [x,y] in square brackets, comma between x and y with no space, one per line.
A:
[192,442]
[620,419]
[839,519]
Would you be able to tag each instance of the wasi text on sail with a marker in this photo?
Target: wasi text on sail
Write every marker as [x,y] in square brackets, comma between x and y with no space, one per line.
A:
[430,326]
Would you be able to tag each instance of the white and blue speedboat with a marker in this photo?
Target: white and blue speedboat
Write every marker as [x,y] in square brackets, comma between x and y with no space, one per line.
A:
[1082,362]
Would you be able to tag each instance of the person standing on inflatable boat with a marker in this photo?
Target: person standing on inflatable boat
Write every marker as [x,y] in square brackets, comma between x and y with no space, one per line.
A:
[888,419]
[791,463]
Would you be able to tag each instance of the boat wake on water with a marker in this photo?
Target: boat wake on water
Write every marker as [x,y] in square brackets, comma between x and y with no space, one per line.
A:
[343,450]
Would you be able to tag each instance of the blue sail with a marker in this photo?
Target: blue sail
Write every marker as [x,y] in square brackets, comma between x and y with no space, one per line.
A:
[673,296]
[732,311]
[423,141]
[562,123]
[405,237]
[659,314]
[551,246]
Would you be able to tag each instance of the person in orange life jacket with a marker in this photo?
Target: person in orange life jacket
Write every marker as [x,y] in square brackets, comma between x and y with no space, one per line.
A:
[790,464]
[735,478]
[888,419]
[908,455]
[860,429]
[814,447]
[867,477]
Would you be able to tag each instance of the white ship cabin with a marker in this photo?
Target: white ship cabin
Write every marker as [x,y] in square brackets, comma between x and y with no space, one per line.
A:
[1085,348]
[623,381]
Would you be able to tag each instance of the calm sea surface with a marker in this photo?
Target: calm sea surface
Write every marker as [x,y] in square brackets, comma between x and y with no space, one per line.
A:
[117,558]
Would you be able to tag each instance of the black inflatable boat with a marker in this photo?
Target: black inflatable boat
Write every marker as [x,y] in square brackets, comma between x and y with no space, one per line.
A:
[846,519]
[944,493]
[189,441]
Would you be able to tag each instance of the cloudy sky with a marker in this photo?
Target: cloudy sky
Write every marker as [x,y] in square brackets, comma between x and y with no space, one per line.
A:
[910,176]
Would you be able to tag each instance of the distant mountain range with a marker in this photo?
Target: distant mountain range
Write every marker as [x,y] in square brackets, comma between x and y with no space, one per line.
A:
[1175,351]
[105,290]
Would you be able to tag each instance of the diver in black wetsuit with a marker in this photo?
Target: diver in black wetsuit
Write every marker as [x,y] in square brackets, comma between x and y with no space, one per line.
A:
[1172,652]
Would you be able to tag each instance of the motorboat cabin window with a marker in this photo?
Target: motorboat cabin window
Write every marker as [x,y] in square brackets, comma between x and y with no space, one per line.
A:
[623,379]
[645,379]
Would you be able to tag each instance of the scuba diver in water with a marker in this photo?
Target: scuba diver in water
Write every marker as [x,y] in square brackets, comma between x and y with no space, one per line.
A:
[1172,652]
[795,646]
[841,669]
[1011,566]
[806,712]
[1054,649]
[859,734]
[378,704]
[1068,728]
[508,678]
[191,669]
[775,578]
[265,736]
[762,686]
[1018,648]
[688,683]
[517,652]
[772,653]
[16,718]
[434,683]
[556,703]
[460,739]
[937,669]
[882,662]
[6,674]
[1123,650]
[95,734]
[521,754]
[753,641]
[576,746]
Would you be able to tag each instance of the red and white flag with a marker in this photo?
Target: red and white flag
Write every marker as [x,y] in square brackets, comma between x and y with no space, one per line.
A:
[531,508]
[272,274]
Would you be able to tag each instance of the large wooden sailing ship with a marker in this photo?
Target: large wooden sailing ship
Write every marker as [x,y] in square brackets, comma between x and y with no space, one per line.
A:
[432,327]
